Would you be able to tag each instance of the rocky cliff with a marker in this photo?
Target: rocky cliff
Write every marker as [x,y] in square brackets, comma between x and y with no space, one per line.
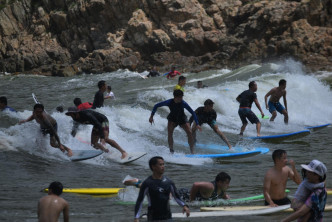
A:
[67,37]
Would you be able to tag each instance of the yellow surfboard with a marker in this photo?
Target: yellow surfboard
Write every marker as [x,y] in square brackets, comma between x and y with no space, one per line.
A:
[90,191]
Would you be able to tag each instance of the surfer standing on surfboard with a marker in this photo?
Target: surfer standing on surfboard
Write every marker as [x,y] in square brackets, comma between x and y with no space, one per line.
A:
[275,179]
[177,117]
[274,105]
[48,125]
[206,114]
[246,98]
[100,128]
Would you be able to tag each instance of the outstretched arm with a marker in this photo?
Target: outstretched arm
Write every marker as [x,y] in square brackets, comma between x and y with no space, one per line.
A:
[27,120]
[259,107]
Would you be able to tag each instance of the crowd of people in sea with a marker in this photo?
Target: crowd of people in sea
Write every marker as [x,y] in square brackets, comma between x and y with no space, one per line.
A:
[308,202]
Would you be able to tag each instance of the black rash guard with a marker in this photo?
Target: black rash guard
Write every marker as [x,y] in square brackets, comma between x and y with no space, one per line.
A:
[158,192]
[247,98]
[98,100]
[93,118]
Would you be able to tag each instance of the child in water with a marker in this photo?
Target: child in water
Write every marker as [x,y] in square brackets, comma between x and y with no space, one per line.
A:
[109,94]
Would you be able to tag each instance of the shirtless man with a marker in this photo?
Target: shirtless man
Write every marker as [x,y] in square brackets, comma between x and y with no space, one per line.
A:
[274,105]
[275,179]
[100,128]
[206,114]
[48,125]
[177,117]
[50,206]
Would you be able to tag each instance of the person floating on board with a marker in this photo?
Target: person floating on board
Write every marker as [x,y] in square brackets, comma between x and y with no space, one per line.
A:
[274,105]
[4,106]
[48,125]
[153,72]
[158,189]
[109,94]
[200,190]
[275,179]
[177,117]
[82,106]
[51,206]
[310,197]
[99,96]
[100,128]
[206,114]
[181,83]
[200,85]
[173,73]
[246,98]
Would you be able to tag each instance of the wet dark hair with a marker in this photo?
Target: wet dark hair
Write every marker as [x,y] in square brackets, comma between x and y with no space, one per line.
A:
[3,100]
[101,83]
[251,84]
[59,109]
[277,154]
[56,188]
[37,106]
[222,176]
[77,101]
[181,78]
[109,88]
[282,82]
[154,160]
[177,93]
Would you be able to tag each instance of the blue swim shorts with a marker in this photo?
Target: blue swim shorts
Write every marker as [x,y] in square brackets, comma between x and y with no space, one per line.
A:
[275,106]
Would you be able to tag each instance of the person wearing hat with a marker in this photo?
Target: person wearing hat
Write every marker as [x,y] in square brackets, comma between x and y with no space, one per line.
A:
[100,128]
[48,125]
[310,197]
[206,114]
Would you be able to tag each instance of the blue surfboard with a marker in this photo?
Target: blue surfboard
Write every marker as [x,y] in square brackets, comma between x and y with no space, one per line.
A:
[317,127]
[293,135]
[225,156]
[234,150]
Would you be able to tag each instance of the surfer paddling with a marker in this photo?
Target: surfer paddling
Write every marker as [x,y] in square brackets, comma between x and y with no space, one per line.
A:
[51,206]
[177,117]
[200,190]
[275,179]
[100,128]
[310,197]
[48,125]
[158,189]
[206,114]
[274,105]
[246,98]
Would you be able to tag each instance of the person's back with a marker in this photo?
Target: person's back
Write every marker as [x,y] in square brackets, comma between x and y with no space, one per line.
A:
[50,208]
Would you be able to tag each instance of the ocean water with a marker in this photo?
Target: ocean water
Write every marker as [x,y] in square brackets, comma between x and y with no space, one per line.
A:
[28,163]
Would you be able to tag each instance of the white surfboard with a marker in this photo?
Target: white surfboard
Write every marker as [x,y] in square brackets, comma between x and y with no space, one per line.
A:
[79,155]
[270,210]
[132,157]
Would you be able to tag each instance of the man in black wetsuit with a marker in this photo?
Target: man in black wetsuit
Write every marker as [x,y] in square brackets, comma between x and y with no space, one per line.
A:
[206,114]
[153,72]
[99,96]
[246,98]
[100,128]
[158,189]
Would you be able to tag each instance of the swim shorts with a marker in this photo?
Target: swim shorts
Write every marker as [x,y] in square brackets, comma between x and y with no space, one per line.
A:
[280,202]
[46,131]
[246,113]
[275,106]
[104,125]
[178,120]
